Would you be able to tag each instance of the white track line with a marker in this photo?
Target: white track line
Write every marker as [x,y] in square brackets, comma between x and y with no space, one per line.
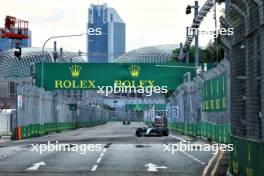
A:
[94,168]
[99,159]
[187,154]
[102,154]
[183,140]
[192,157]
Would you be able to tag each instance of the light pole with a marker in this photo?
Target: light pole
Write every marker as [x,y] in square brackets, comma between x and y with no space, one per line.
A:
[43,50]
[196,11]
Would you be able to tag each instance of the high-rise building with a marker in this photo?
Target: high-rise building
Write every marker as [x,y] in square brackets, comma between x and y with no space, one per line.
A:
[6,44]
[109,40]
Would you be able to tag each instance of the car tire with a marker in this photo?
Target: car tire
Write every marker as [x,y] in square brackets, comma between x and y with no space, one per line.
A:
[139,132]
[165,132]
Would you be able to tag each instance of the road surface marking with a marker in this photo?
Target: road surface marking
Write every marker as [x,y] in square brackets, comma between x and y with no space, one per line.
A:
[17,141]
[178,138]
[94,168]
[98,160]
[36,166]
[217,163]
[154,168]
[209,164]
[192,157]
[187,154]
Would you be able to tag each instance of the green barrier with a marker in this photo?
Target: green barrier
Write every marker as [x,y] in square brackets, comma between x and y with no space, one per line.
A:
[247,157]
[42,130]
[46,128]
[35,130]
[216,132]
[31,130]
[24,132]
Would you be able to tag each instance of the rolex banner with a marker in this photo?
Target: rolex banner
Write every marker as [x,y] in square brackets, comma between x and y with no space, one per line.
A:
[81,76]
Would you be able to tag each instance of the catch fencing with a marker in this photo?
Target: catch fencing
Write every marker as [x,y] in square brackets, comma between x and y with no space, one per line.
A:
[40,112]
[247,90]
[201,107]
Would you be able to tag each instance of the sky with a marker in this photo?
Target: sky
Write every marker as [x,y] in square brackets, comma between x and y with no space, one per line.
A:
[148,22]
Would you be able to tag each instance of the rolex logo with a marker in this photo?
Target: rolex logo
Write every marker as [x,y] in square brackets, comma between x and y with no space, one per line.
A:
[75,71]
[134,70]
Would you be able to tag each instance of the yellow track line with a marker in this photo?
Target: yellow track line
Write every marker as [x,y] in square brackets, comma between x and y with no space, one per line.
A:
[217,163]
[209,164]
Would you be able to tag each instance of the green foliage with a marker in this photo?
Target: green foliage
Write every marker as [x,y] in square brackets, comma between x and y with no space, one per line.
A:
[211,54]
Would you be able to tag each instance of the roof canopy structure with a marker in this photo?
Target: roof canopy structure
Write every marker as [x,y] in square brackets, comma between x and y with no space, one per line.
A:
[150,54]
[11,67]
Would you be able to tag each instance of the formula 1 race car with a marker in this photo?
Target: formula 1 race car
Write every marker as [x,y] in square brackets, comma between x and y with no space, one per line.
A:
[158,128]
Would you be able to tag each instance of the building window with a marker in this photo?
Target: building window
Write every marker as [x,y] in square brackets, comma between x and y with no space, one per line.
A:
[104,15]
[111,18]
[12,89]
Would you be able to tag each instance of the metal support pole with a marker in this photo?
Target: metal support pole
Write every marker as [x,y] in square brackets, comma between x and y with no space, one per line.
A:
[43,50]
[187,56]
[196,7]
[55,54]
[61,53]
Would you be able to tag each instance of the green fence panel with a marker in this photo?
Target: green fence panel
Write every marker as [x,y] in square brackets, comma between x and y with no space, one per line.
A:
[219,133]
[24,132]
[260,158]
[46,128]
[204,133]
[53,128]
[32,130]
[38,129]
[234,156]
[251,158]
[214,128]
[42,130]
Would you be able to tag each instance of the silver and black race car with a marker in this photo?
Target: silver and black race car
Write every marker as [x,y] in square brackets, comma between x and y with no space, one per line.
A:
[158,128]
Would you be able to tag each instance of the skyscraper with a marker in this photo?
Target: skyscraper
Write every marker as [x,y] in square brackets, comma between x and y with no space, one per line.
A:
[111,42]
[6,44]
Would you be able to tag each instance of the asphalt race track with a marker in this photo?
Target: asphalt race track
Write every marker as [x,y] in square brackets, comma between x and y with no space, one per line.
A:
[121,153]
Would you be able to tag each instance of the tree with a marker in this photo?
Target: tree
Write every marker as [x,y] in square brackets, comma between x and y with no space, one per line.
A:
[211,54]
